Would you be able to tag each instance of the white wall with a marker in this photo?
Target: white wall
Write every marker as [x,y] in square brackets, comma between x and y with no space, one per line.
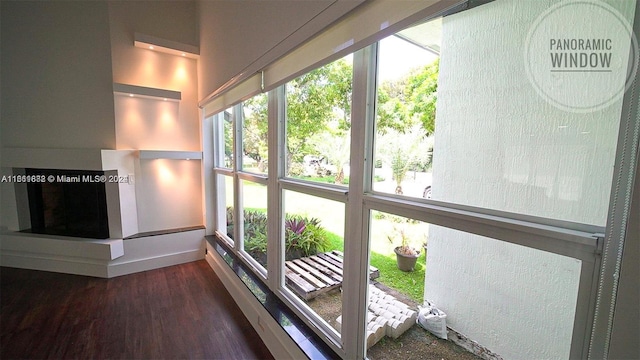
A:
[56,75]
[499,145]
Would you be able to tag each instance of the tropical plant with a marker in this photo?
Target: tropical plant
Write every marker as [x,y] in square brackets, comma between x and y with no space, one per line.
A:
[255,231]
[303,236]
[405,247]
[400,163]
[335,146]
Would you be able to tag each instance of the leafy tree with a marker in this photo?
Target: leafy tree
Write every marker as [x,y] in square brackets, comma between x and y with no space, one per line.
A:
[313,100]
[255,129]
[392,111]
[340,87]
[422,93]
[403,102]
[227,123]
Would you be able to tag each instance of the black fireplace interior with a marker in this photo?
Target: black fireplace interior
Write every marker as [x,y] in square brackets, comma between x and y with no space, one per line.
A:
[73,204]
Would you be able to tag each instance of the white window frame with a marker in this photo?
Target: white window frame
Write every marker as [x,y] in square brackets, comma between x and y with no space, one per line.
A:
[596,290]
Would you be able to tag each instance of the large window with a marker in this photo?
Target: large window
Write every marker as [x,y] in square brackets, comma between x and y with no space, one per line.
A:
[436,146]
[316,168]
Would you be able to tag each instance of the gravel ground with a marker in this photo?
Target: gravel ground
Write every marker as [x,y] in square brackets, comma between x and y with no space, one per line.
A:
[415,343]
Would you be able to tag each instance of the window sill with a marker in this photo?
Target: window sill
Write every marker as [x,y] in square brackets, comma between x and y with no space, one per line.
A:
[301,334]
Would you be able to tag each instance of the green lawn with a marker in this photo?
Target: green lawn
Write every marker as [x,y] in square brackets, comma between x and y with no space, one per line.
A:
[332,214]
[408,283]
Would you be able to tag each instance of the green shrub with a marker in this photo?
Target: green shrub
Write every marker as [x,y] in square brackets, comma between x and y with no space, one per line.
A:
[255,231]
[303,236]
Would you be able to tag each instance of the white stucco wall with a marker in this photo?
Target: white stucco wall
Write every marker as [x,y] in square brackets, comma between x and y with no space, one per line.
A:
[499,145]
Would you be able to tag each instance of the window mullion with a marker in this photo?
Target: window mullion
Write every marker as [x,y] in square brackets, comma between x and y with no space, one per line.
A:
[238,213]
[219,186]
[356,244]
[275,215]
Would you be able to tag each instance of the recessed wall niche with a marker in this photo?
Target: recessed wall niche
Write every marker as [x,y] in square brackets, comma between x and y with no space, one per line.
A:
[148,123]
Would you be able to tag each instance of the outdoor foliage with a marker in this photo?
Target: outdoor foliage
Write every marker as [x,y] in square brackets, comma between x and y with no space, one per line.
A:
[400,162]
[313,101]
[303,236]
[408,283]
[422,93]
[409,101]
[319,116]
[254,132]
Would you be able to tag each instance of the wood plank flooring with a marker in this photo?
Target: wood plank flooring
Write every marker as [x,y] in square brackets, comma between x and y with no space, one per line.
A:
[181,311]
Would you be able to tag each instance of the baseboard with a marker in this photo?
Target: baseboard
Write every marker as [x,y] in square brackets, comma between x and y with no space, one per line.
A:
[157,262]
[153,252]
[275,338]
[52,263]
[58,253]
[100,258]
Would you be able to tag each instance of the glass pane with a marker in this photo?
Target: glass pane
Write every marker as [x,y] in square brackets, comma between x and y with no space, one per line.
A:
[254,207]
[407,78]
[314,244]
[464,123]
[397,253]
[319,122]
[254,135]
[226,205]
[484,286]
[226,140]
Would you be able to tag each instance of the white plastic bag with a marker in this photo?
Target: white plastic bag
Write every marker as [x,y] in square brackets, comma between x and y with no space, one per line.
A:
[433,320]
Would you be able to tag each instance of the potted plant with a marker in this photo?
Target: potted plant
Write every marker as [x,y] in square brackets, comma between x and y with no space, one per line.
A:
[406,255]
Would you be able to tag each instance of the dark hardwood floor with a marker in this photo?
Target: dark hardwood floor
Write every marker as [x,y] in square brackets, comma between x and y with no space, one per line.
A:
[177,312]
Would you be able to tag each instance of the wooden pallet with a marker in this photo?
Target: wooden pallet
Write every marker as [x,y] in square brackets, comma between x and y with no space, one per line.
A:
[317,274]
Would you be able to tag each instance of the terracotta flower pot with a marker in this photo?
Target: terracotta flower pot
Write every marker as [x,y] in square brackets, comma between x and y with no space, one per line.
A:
[405,262]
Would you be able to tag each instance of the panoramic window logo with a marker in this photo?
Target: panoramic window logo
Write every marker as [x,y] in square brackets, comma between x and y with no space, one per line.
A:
[581,55]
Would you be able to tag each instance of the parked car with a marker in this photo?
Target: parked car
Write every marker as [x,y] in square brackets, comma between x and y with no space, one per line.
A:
[318,166]
[427,192]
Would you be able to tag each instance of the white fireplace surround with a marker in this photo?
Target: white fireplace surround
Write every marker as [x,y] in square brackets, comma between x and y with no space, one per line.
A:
[102,258]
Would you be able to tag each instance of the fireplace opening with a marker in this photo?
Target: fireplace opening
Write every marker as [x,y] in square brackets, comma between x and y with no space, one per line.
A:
[68,203]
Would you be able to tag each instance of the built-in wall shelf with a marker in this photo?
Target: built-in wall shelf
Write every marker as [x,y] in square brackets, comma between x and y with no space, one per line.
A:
[172,155]
[147,92]
[166,46]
